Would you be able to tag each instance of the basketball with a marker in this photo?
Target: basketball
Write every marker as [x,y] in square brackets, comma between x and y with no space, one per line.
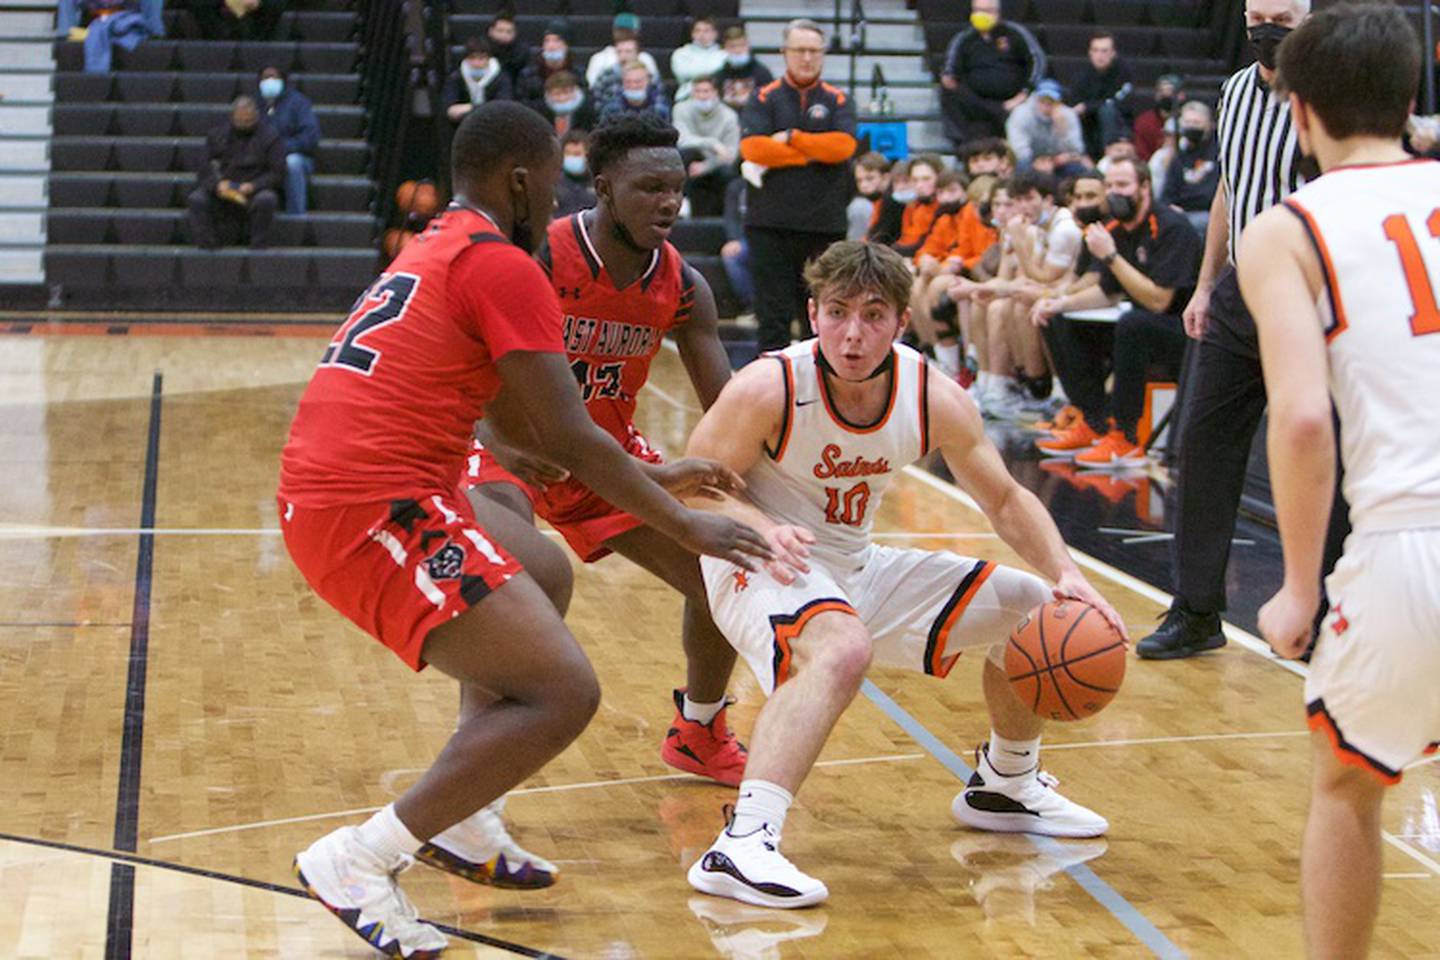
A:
[405,196]
[395,241]
[1065,661]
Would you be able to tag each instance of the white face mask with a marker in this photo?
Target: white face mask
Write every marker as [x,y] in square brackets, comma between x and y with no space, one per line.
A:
[636,96]
[706,104]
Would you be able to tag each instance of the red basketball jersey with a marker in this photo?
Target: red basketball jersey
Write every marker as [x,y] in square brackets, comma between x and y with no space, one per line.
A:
[392,406]
[611,335]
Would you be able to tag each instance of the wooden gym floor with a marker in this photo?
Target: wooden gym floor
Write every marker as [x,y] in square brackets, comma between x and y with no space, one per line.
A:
[179,715]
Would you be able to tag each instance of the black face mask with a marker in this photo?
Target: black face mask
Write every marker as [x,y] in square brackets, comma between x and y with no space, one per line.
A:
[885,367]
[1122,208]
[619,231]
[874,195]
[1164,104]
[1087,215]
[244,131]
[520,232]
[1264,39]
[948,209]
[1308,166]
[1193,137]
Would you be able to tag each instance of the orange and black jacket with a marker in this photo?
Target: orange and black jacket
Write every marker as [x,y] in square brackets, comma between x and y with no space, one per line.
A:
[915,226]
[807,187]
[962,235]
[886,218]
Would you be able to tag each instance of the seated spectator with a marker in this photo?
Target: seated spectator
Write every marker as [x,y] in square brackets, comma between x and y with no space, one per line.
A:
[626,26]
[1101,96]
[973,298]
[554,56]
[639,93]
[1044,126]
[112,23]
[1194,174]
[250,20]
[1149,254]
[989,70]
[710,146]
[701,57]
[919,215]
[742,74]
[989,155]
[244,165]
[884,214]
[607,88]
[567,106]
[955,247]
[480,78]
[507,48]
[290,114]
[735,254]
[1117,150]
[1150,125]
[576,189]
[68,15]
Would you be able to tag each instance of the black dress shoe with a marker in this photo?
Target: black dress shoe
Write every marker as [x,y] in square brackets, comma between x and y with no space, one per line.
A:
[1183,633]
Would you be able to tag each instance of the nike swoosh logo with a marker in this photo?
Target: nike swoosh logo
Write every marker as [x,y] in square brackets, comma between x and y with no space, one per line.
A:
[805,403]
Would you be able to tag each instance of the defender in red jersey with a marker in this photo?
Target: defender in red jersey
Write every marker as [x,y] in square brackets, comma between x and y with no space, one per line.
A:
[623,288]
[370,514]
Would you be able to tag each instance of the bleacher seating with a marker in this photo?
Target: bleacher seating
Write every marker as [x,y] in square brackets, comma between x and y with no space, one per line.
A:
[127,146]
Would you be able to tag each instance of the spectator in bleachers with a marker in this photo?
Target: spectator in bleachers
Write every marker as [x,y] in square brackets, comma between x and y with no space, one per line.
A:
[883,213]
[989,155]
[701,57]
[575,190]
[567,105]
[742,74]
[112,23]
[639,92]
[244,166]
[1101,95]
[251,20]
[68,15]
[1150,125]
[955,247]
[626,27]
[1150,255]
[554,56]
[1116,151]
[291,114]
[612,80]
[990,67]
[1043,126]
[710,146]
[798,135]
[735,254]
[507,47]
[480,78]
[1194,173]
[919,214]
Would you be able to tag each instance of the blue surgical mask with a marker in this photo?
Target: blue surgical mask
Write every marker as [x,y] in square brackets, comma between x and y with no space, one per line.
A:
[705,104]
[737,59]
[637,97]
[554,56]
[575,166]
[563,107]
[904,196]
[271,87]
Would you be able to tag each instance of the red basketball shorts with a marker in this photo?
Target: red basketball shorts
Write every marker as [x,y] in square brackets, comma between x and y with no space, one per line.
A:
[584,519]
[397,570]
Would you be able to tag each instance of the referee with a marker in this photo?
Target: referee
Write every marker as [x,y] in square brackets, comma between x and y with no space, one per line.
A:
[1260,165]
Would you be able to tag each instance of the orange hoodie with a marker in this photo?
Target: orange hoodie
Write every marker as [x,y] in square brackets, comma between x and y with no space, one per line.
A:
[962,235]
[915,225]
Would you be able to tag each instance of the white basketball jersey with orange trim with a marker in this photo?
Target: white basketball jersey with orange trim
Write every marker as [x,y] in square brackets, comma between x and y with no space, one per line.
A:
[829,475]
[1377,232]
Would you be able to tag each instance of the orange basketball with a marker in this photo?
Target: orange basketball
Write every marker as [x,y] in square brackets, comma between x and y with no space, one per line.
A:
[405,196]
[395,241]
[1065,661]
[426,200]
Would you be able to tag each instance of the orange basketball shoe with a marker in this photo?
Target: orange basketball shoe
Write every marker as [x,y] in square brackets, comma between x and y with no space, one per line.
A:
[1114,451]
[1069,441]
[1063,419]
[706,749]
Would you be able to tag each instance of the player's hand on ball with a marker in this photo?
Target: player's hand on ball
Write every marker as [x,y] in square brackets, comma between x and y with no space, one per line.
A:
[1073,586]
[791,546]
[716,536]
[697,476]
[1287,619]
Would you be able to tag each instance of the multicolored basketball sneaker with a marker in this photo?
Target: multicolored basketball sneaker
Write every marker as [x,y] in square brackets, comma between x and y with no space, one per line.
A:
[481,850]
[705,749]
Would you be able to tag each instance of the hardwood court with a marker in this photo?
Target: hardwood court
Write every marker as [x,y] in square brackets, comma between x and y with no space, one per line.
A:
[268,721]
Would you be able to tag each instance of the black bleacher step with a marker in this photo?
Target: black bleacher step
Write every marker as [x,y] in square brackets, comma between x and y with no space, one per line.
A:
[660,35]
[315,26]
[168,226]
[646,9]
[131,190]
[218,56]
[181,120]
[339,89]
[179,154]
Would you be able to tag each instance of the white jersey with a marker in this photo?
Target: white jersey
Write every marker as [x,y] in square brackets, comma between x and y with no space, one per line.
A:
[829,475]
[1377,232]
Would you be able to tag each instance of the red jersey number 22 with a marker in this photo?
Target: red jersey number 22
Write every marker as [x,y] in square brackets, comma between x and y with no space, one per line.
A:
[385,302]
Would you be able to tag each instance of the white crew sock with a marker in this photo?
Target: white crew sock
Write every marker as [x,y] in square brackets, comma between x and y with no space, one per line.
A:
[701,713]
[982,382]
[386,837]
[1013,758]
[948,356]
[760,802]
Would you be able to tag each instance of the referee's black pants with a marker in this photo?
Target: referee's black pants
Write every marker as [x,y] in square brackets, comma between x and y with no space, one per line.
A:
[1224,400]
[777,265]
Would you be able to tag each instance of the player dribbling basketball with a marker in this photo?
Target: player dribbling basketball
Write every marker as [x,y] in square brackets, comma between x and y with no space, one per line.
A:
[819,431]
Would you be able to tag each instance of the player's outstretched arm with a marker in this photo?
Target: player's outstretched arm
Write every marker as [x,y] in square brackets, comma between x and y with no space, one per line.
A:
[698,339]
[542,402]
[1016,514]
[1280,278]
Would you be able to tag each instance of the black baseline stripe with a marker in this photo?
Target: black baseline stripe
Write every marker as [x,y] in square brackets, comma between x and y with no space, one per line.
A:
[120,920]
[131,860]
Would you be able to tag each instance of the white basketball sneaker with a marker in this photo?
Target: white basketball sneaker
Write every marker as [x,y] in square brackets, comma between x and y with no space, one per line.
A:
[753,870]
[1028,803]
[481,850]
[352,883]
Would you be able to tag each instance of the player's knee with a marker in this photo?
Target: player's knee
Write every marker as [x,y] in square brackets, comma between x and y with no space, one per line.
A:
[844,651]
[571,697]
[551,570]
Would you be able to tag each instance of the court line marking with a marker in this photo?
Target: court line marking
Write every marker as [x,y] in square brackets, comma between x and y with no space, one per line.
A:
[1243,638]
[1089,881]
[1406,876]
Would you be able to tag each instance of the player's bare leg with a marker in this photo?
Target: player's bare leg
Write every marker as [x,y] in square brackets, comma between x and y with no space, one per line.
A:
[1340,862]
[829,659]
[698,740]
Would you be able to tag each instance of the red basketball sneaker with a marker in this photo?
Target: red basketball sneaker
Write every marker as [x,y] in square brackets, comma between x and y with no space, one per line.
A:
[706,749]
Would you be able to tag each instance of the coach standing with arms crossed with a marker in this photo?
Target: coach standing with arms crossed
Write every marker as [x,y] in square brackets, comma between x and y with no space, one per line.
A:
[1260,165]
[802,131]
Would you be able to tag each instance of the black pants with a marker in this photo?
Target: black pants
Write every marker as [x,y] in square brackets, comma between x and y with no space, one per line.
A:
[1224,400]
[777,263]
[207,212]
[968,116]
[1087,353]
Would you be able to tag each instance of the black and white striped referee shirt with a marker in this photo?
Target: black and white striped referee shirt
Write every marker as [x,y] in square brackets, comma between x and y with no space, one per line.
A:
[1259,152]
